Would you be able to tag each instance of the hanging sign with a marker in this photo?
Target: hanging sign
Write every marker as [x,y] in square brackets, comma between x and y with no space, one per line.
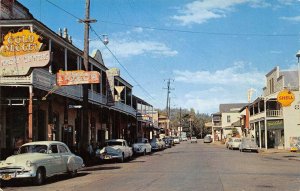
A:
[66,78]
[21,65]
[20,43]
[285,97]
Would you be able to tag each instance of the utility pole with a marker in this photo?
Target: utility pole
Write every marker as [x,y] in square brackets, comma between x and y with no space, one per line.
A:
[84,141]
[168,96]
[180,128]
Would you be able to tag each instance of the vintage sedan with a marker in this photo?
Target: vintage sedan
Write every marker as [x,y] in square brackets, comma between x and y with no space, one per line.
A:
[115,149]
[39,160]
[248,144]
[142,146]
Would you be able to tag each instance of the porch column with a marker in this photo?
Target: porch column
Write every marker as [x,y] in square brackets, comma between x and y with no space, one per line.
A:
[259,128]
[30,116]
[266,130]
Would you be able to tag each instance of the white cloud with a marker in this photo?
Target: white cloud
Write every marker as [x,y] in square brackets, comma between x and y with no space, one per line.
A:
[200,11]
[128,48]
[294,19]
[203,10]
[229,85]
[236,75]
[208,100]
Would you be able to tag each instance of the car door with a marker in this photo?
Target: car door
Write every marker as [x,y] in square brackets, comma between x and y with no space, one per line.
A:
[65,154]
[126,149]
[56,159]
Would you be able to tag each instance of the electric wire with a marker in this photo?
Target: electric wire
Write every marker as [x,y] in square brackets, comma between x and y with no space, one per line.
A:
[125,69]
[138,84]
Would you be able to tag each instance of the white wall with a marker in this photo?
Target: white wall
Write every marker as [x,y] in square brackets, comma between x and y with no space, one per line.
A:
[291,120]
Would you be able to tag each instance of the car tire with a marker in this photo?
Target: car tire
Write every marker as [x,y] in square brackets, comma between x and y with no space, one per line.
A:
[145,152]
[122,158]
[73,173]
[40,176]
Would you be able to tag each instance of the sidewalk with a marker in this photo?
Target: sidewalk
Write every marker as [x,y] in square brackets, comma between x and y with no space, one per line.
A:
[276,154]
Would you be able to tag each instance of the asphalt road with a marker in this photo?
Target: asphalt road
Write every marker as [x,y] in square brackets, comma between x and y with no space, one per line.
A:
[185,167]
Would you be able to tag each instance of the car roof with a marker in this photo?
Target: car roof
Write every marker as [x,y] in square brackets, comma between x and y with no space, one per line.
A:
[117,140]
[44,143]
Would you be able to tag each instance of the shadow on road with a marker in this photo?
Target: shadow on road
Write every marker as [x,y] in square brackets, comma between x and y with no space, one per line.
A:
[96,168]
[50,180]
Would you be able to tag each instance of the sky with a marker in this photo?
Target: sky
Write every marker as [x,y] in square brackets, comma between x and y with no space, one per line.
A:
[213,51]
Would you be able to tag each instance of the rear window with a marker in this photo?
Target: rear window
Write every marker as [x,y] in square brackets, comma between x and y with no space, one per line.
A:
[237,140]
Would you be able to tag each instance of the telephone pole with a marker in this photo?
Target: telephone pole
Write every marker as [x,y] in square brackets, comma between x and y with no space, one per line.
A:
[84,141]
[168,96]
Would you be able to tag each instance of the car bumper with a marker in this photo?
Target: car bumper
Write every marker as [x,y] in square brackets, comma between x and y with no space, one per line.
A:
[8,174]
[109,157]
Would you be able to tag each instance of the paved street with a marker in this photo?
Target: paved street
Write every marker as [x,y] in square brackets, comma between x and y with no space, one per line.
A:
[184,167]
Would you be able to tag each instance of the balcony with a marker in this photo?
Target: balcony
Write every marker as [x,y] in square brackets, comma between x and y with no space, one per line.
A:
[44,80]
[274,113]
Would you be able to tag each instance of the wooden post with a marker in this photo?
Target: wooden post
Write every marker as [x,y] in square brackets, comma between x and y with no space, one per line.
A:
[30,115]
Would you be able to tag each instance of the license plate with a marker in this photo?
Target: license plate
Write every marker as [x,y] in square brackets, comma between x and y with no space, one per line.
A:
[107,157]
[6,177]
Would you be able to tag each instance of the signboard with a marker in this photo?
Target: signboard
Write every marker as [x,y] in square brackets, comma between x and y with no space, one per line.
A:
[275,124]
[285,97]
[20,43]
[20,65]
[67,78]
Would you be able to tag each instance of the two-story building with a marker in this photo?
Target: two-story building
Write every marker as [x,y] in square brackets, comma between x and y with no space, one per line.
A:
[225,120]
[33,106]
[272,125]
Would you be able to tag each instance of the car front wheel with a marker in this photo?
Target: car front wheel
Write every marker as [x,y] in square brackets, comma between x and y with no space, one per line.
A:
[40,176]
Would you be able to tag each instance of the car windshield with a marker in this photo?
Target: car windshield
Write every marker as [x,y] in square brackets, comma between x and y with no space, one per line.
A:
[113,143]
[33,149]
[237,140]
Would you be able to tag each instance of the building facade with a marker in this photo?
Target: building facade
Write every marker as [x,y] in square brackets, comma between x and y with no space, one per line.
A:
[273,125]
[33,104]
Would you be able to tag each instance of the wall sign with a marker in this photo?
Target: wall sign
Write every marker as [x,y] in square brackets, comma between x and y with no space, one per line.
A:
[285,97]
[20,43]
[66,78]
[21,65]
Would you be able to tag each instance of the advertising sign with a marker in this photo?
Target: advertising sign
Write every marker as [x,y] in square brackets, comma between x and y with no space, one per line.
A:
[285,97]
[20,65]
[67,78]
[20,43]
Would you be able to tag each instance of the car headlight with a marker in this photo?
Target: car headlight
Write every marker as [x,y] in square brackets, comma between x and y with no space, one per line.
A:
[29,163]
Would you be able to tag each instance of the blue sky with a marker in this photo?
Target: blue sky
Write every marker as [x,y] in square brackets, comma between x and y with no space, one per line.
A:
[214,50]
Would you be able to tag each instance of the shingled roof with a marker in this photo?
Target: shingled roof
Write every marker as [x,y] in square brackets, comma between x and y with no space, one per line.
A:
[231,107]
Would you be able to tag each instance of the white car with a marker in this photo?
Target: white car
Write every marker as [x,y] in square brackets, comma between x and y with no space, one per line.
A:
[142,146]
[156,144]
[115,149]
[39,160]
[193,139]
[176,140]
[234,143]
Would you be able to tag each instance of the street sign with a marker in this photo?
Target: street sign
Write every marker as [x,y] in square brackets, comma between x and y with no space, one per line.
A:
[75,106]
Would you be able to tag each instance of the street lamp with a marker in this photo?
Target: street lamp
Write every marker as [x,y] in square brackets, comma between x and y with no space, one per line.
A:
[298,56]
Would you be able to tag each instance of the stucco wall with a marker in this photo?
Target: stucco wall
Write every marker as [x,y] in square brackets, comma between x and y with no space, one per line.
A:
[291,121]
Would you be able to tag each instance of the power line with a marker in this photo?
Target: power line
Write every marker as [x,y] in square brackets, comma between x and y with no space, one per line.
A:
[201,32]
[138,84]
[182,31]
[115,57]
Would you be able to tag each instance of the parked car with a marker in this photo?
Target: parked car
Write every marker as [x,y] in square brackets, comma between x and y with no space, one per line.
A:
[167,142]
[142,146]
[193,139]
[234,143]
[163,144]
[39,160]
[156,144]
[176,140]
[115,149]
[207,139]
[184,138]
[248,144]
